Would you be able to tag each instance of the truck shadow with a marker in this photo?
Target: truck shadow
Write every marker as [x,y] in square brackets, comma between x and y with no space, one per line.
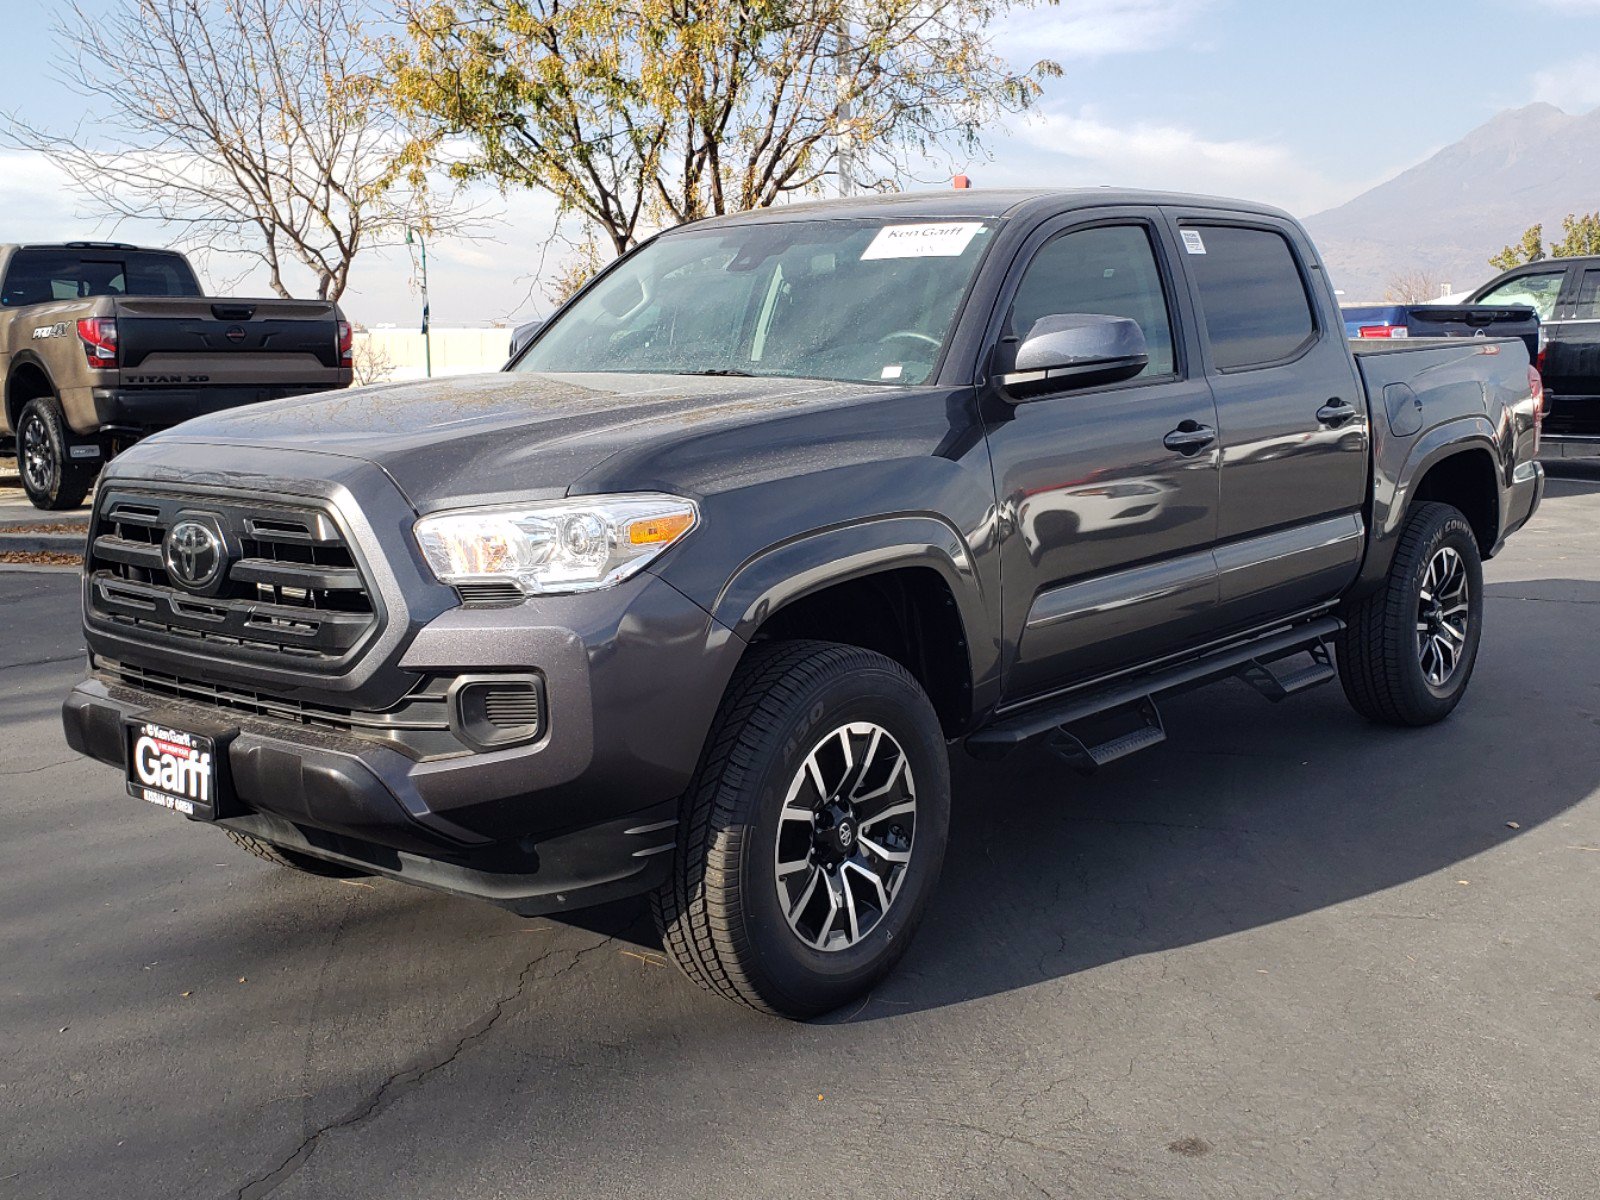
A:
[1248,815]
[1252,814]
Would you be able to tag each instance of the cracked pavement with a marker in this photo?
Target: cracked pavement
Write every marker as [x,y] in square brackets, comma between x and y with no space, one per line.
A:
[1283,954]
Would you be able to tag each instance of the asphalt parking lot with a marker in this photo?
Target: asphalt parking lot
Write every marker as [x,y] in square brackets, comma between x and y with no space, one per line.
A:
[1285,954]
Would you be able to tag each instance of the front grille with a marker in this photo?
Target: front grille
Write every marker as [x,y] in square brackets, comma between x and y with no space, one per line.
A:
[289,592]
[418,726]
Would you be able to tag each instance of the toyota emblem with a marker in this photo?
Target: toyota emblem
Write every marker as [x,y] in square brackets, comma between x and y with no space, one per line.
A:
[847,834]
[192,553]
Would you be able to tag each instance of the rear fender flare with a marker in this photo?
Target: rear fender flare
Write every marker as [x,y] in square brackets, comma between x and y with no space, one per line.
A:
[1391,501]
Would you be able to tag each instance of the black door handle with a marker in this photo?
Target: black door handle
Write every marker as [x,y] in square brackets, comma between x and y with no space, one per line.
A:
[1335,413]
[1190,437]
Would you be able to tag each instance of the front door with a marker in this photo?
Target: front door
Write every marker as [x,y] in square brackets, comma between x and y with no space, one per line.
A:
[1108,517]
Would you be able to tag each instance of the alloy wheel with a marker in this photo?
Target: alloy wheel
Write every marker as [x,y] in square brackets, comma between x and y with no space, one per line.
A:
[1443,614]
[38,462]
[845,836]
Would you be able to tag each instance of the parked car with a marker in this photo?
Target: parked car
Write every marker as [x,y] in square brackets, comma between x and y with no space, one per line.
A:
[522,335]
[1565,292]
[102,343]
[1443,320]
[694,600]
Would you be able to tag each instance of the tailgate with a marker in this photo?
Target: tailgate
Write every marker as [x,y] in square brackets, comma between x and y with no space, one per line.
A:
[228,341]
[1475,320]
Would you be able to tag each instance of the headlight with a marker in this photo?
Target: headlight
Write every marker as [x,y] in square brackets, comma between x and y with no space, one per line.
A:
[574,545]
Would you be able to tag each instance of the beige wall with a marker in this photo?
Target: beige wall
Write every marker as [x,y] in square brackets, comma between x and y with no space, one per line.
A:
[396,354]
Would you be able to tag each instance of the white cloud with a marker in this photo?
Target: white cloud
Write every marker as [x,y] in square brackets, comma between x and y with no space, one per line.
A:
[1084,149]
[1572,84]
[1097,28]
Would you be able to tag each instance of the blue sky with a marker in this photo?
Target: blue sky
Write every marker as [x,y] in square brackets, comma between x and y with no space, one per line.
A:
[1297,103]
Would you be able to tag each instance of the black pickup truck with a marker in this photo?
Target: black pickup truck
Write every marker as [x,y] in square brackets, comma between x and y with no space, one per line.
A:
[693,599]
[1565,293]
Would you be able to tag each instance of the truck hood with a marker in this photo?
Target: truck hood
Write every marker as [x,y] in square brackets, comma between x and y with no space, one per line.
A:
[484,439]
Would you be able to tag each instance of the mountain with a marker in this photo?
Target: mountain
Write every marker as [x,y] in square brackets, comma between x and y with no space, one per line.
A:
[1447,215]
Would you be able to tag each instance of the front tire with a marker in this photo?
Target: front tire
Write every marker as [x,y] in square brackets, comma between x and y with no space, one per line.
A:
[1407,651]
[50,476]
[812,833]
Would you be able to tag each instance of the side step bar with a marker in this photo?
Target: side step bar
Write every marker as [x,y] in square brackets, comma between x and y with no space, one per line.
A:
[1249,660]
[1088,756]
[1278,686]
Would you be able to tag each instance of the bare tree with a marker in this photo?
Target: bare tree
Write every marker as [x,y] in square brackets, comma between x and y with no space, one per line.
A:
[255,126]
[1416,286]
[369,361]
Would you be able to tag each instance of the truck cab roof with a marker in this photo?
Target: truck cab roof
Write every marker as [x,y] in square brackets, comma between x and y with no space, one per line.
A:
[981,203]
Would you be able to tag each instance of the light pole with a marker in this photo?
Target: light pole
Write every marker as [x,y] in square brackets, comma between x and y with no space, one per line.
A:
[415,237]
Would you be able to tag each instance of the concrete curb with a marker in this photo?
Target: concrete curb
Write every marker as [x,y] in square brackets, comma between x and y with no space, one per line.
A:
[37,569]
[41,543]
[81,520]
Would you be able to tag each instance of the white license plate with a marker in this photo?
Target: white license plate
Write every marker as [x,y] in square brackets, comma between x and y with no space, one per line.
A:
[173,768]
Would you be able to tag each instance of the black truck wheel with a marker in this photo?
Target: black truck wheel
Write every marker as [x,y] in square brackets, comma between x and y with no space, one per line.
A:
[812,833]
[1407,651]
[280,856]
[50,476]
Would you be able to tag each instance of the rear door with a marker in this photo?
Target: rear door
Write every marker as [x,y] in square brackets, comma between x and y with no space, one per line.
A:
[1572,355]
[1291,416]
[1108,529]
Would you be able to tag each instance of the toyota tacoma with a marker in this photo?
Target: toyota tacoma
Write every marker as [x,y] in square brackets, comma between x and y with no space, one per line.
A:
[694,598]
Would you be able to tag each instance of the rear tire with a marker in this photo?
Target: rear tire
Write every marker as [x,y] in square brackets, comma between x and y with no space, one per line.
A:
[1407,651]
[280,856]
[812,833]
[52,479]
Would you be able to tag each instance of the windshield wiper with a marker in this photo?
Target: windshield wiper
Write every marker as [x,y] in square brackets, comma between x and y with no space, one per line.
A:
[717,371]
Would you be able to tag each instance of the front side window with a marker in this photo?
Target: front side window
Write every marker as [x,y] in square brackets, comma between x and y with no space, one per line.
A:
[865,301]
[41,274]
[1109,270]
[1538,290]
[1252,296]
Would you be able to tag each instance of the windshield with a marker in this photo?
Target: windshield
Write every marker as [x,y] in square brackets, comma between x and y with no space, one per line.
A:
[866,301]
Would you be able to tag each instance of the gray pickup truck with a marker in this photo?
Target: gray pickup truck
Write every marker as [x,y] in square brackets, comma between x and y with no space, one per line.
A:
[694,598]
[102,343]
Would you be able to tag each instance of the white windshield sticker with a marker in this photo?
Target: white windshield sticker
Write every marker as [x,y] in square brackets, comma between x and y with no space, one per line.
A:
[1192,242]
[946,240]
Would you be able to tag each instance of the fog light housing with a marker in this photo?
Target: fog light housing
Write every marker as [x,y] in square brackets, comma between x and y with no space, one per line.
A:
[494,712]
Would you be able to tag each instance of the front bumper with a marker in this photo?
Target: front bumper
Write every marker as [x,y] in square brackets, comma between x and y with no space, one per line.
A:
[585,813]
[363,805]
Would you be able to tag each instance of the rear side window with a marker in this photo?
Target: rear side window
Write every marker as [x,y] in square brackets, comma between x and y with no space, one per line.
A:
[1252,295]
[38,275]
[1588,306]
[1538,290]
[1106,270]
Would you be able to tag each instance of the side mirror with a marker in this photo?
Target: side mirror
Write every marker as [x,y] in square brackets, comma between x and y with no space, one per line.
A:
[1069,351]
